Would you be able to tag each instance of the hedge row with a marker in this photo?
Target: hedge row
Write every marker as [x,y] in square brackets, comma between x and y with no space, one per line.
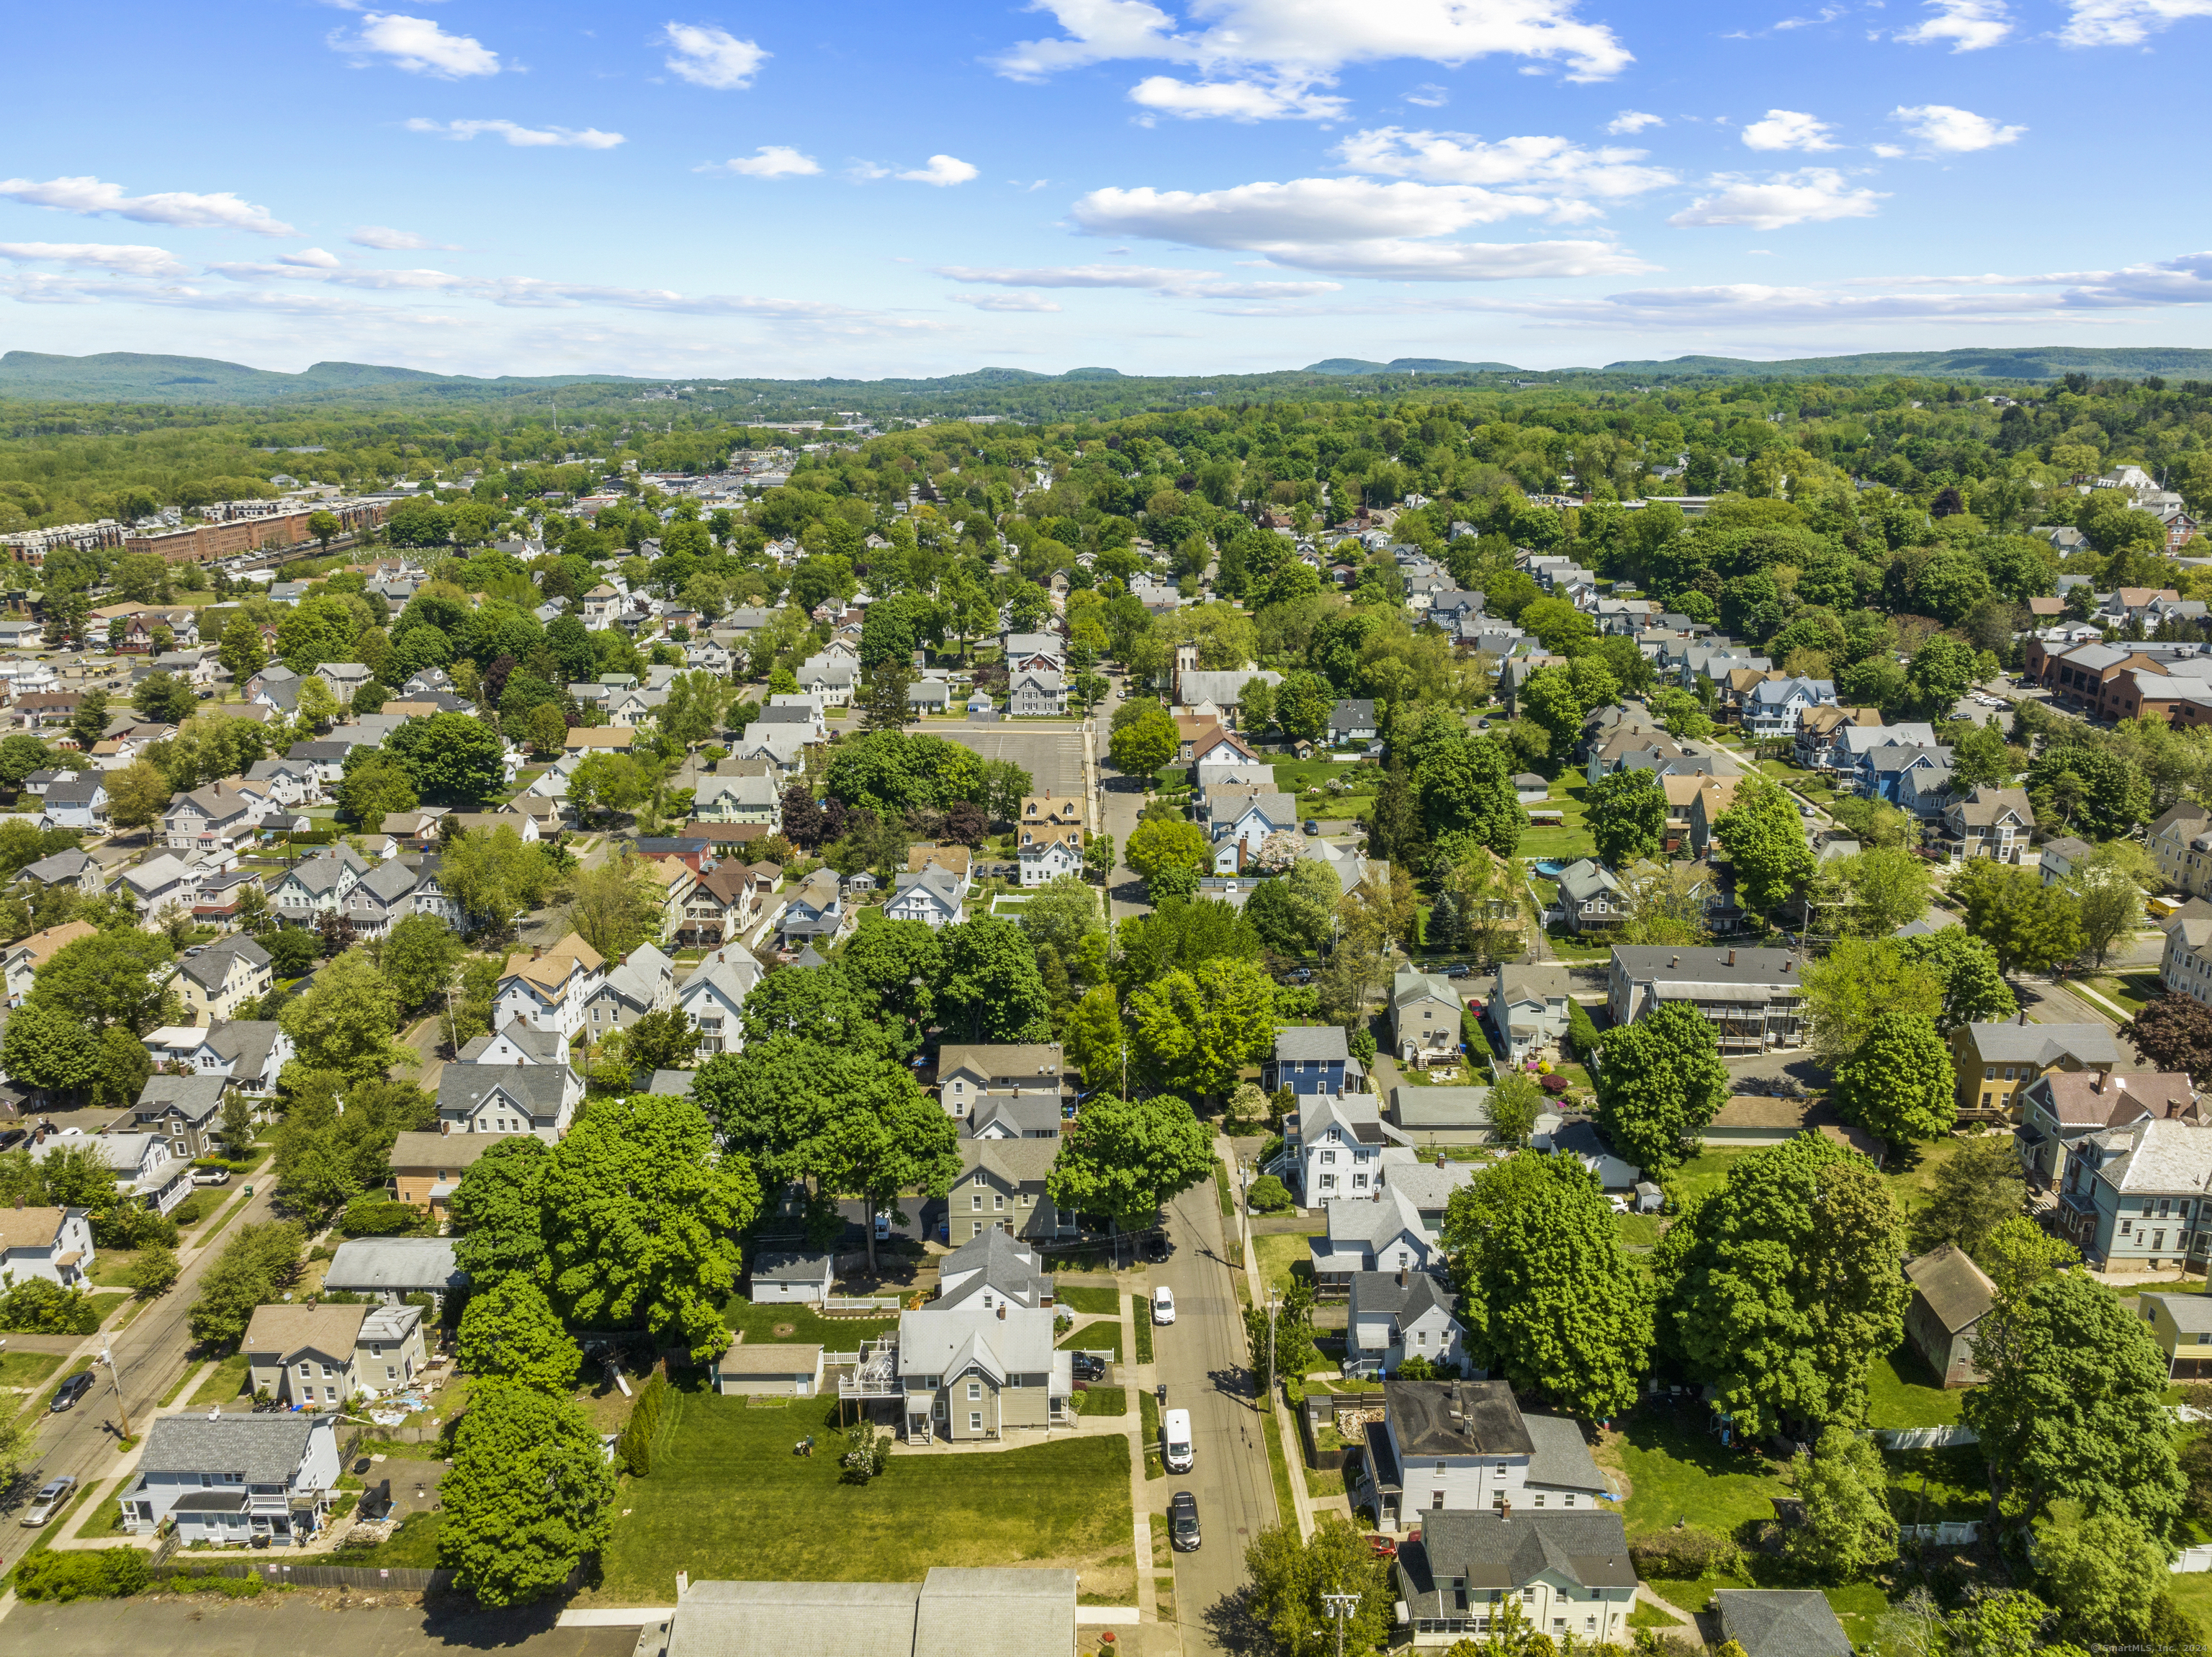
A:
[633,1448]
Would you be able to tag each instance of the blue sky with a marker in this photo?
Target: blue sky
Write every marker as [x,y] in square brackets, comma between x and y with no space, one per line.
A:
[1229,186]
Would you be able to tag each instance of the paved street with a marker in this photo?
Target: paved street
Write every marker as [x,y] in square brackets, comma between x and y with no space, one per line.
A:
[283,1625]
[1201,1358]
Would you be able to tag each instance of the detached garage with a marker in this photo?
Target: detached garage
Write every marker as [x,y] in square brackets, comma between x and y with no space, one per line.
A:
[804,1278]
[768,1371]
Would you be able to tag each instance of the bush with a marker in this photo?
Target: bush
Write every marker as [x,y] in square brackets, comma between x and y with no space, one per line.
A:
[1554,1085]
[98,1574]
[133,1225]
[36,1306]
[197,1206]
[1582,1034]
[371,1214]
[1268,1194]
[633,1448]
[1682,1556]
[230,1588]
[291,951]
[1362,1042]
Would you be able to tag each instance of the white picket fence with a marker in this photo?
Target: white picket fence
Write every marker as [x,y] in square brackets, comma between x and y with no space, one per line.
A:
[2191,1561]
[862,1303]
[1926,1438]
[1950,1534]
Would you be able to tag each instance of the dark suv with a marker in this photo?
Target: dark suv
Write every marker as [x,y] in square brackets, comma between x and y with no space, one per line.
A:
[69,1392]
[1087,1367]
[1182,1521]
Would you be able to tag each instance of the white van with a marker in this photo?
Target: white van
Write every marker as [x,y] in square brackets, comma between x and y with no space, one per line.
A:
[1174,1440]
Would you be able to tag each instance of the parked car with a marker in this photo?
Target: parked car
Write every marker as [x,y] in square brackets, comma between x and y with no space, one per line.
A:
[51,1496]
[1087,1367]
[1156,1247]
[210,1176]
[1182,1522]
[1164,1305]
[1383,1547]
[1460,971]
[66,1396]
[882,1227]
[1312,827]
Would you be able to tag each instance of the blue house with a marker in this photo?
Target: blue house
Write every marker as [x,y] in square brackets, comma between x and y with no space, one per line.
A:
[1312,1059]
[1881,770]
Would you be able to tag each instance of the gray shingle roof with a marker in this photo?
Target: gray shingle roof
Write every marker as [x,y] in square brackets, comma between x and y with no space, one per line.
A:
[267,1449]
[212,964]
[539,1088]
[1486,1551]
[1562,1459]
[412,1264]
[1781,1623]
[1313,1041]
[1427,1109]
[2012,1043]
[1954,1288]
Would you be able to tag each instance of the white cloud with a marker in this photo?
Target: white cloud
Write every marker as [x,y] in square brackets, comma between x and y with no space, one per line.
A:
[712,57]
[311,259]
[1238,101]
[1280,51]
[770,161]
[124,260]
[1351,227]
[2125,22]
[1888,152]
[1788,129]
[384,238]
[1203,284]
[1429,96]
[1630,121]
[94,196]
[943,170]
[1006,301]
[1953,131]
[1557,165]
[1812,195]
[1963,25]
[522,137]
[417,45]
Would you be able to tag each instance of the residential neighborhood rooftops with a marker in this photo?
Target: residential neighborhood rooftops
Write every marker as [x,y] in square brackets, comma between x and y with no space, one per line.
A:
[415,1266]
[1457,1418]
[1313,1041]
[2020,1042]
[266,1449]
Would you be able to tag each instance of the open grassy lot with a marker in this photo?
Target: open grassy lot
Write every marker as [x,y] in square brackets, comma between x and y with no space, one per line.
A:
[2133,990]
[734,1502]
[413,1546]
[1085,1302]
[1099,1335]
[1930,1486]
[1284,1256]
[228,1382]
[1902,1392]
[1676,1470]
[1571,839]
[1701,1176]
[25,1374]
[803,1325]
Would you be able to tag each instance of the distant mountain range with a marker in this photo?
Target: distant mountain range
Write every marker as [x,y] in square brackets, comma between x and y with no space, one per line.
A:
[137,377]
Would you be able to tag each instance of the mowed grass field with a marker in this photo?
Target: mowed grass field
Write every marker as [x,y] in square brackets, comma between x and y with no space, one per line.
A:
[728,1500]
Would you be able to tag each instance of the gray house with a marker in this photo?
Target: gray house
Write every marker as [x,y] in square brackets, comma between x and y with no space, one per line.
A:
[1527,1010]
[1781,1623]
[1424,1014]
[1950,1295]
[236,1479]
[390,1268]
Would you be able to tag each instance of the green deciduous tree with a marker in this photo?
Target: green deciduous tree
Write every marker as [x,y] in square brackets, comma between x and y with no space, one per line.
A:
[639,1211]
[452,760]
[1779,1288]
[1159,845]
[2071,1406]
[496,875]
[1898,1085]
[418,958]
[254,1266]
[345,1022]
[1660,1082]
[1291,913]
[1973,1190]
[1196,1030]
[1143,740]
[2104,1572]
[509,1333]
[529,1496]
[1764,839]
[1870,893]
[1627,816]
[1848,1529]
[375,788]
[1290,1577]
[1096,1039]
[1972,989]
[1550,1302]
[990,988]
[137,794]
[2032,927]
[498,1214]
[1125,1158]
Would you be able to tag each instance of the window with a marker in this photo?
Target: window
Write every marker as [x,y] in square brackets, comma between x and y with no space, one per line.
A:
[1539,1498]
[974,1392]
[2158,1240]
[981,1179]
[1988,1073]
[978,1231]
[2125,1226]
[1421,1337]
[978,1202]
[1436,1499]
[998,1201]
[306,1370]
[2008,1070]
[391,1373]
[1985,1098]
[974,1421]
[1567,1500]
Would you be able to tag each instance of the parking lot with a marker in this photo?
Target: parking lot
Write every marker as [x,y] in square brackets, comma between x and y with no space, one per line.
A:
[1053,758]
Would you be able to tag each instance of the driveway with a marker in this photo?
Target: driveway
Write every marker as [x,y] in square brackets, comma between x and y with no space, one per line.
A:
[1201,1358]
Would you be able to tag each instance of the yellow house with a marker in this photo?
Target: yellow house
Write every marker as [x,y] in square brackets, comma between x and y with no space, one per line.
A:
[1994,1062]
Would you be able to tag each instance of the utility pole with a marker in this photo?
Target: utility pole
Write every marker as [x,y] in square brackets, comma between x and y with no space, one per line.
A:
[1274,1302]
[1340,1607]
[115,1378]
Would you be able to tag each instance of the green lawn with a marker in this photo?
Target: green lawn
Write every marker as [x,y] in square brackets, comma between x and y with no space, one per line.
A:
[734,1502]
[1930,1486]
[1284,1255]
[28,1370]
[1638,1230]
[2193,1593]
[2133,990]
[1701,1176]
[1102,1401]
[1140,1314]
[1910,1171]
[1676,1471]
[228,1382]
[1902,1392]
[111,1269]
[1101,1334]
[1571,839]
[1089,1302]
[802,1325]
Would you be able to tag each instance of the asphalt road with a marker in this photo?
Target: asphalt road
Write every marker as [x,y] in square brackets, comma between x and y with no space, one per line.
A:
[283,1625]
[1201,1358]
[151,1352]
